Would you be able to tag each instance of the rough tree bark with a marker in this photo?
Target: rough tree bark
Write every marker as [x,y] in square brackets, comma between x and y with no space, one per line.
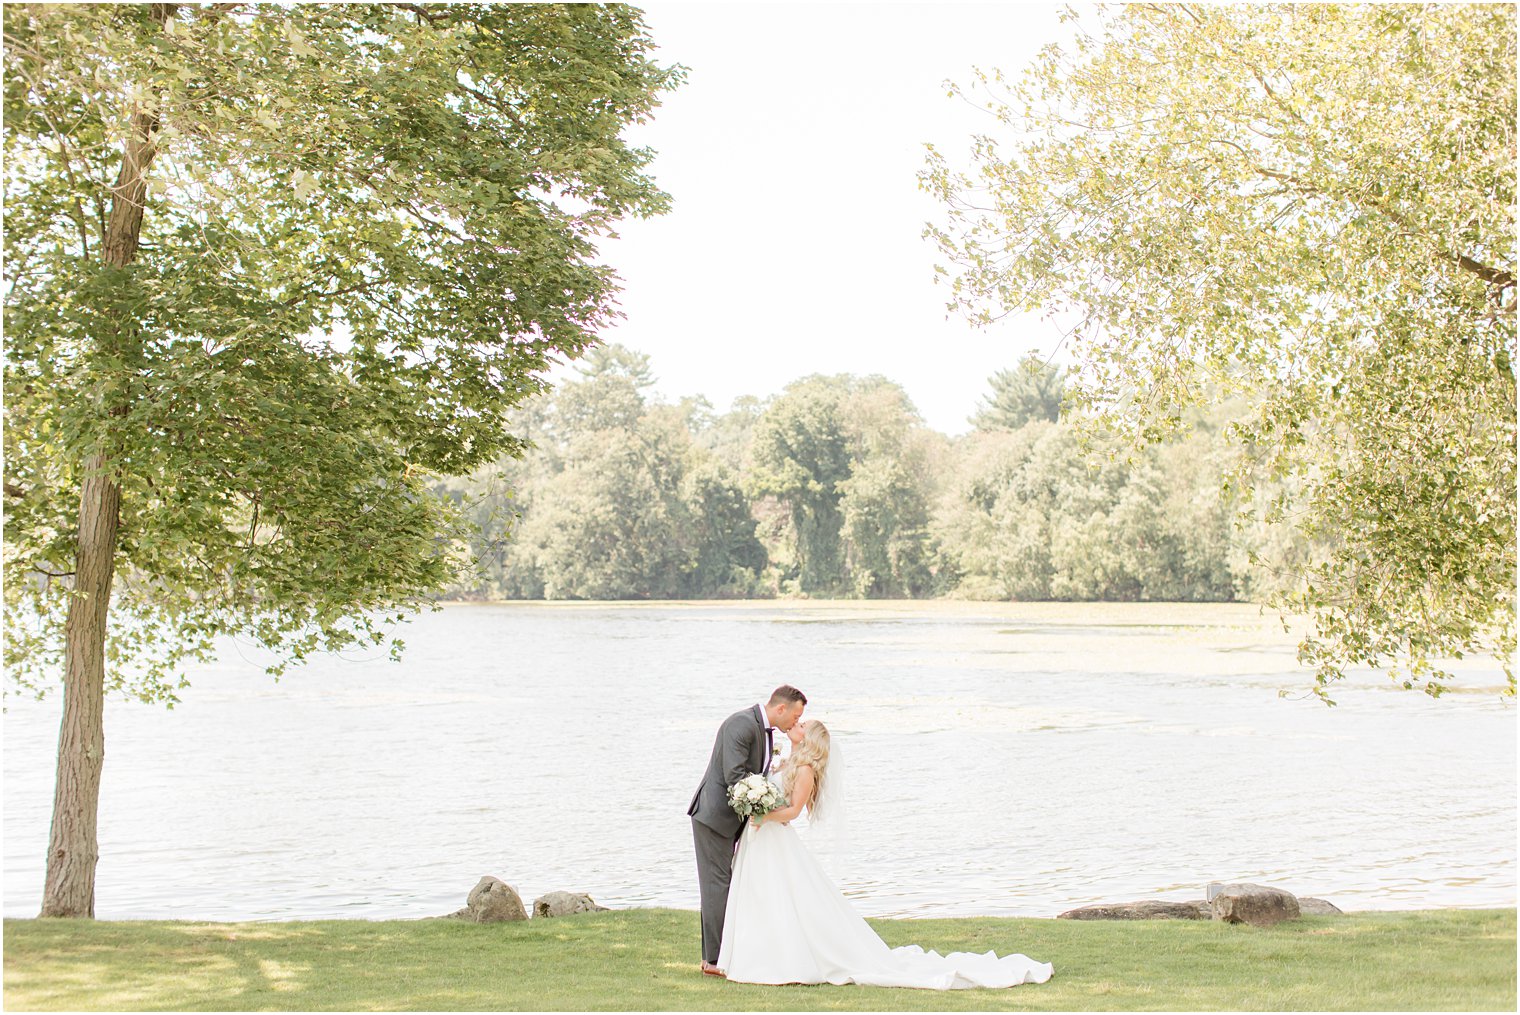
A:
[73,847]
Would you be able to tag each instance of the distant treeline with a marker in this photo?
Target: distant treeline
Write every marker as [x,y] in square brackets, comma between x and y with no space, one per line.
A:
[836,488]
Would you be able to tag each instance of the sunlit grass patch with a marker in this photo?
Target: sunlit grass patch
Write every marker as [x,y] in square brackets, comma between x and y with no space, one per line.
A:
[647,960]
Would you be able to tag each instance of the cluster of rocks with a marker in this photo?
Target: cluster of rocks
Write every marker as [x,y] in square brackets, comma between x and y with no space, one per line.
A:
[494,901]
[1257,905]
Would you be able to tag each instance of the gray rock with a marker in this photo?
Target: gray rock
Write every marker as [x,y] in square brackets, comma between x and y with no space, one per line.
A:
[491,901]
[1318,907]
[1149,909]
[1257,905]
[565,903]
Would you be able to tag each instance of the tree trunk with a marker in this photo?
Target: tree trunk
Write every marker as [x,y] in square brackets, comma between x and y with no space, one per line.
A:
[73,847]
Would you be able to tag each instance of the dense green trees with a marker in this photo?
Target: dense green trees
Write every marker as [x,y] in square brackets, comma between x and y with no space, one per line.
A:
[801,456]
[836,488]
[618,500]
[1311,206]
[269,268]
[1032,390]
[889,494]
[1029,518]
[848,459]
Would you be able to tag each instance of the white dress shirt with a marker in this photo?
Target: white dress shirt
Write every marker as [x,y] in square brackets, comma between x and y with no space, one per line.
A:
[766,721]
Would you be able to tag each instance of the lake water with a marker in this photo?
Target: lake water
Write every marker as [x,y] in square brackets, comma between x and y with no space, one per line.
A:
[1005,759]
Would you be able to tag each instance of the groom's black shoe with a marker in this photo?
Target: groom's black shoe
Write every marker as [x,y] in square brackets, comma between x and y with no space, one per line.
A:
[711,970]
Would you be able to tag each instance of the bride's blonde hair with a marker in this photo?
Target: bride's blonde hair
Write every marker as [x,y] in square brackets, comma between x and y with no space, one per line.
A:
[813,751]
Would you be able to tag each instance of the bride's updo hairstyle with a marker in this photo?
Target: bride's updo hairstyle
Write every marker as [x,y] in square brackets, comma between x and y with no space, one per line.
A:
[813,751]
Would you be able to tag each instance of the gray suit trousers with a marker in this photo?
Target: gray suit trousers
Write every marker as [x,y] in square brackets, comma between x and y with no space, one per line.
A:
[715,869]
[740,748]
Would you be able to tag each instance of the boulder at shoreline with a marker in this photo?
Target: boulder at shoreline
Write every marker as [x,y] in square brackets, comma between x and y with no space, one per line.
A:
[1319,907]
[1257,905]
[1148,909]
[564,904]
[491,901]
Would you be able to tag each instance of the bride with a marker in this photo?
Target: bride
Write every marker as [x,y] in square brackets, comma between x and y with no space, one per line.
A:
[787,923]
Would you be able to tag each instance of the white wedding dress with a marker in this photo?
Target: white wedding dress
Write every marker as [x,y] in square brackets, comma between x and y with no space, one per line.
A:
[786,922]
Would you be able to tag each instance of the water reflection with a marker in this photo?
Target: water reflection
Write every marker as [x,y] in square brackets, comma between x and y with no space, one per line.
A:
[1010,760]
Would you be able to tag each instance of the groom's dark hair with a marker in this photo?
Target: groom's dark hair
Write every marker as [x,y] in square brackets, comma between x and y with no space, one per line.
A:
[786,693]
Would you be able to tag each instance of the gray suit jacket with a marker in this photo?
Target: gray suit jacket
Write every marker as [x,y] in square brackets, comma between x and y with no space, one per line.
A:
[738,751]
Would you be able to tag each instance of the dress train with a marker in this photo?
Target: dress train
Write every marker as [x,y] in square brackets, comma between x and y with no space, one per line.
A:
[786,922]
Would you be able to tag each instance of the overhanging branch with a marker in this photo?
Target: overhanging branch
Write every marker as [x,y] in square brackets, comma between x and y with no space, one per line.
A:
[1494,276]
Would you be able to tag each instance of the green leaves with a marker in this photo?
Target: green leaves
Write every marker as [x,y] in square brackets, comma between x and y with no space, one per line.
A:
[618,500]
[326,311]
[849,459]
[1311,207]
[1033,390]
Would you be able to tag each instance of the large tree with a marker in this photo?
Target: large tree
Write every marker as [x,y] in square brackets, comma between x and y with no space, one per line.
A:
[1311,206]
[270,267]
[1031,390]
[800,452]
[617,500]
[851,461]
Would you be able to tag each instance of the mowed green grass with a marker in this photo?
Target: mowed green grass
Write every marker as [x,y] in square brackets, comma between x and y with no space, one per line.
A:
[647,959]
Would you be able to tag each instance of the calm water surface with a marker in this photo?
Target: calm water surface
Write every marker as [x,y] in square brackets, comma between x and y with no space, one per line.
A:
[1004,759]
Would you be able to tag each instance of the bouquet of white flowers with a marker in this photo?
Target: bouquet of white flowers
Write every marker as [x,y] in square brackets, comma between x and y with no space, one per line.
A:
[753,796]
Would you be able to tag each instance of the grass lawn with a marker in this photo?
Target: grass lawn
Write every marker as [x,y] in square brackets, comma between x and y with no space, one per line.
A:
[647,959]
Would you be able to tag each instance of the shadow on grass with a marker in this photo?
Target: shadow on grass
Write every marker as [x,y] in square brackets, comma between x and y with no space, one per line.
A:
[647,960]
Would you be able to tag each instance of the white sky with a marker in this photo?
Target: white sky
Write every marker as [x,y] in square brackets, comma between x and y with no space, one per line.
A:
[794,244]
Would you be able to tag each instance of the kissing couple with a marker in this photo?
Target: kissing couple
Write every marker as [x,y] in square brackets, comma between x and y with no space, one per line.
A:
[770,914]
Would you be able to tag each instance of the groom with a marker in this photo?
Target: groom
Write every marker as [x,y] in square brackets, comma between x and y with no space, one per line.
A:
[744,747]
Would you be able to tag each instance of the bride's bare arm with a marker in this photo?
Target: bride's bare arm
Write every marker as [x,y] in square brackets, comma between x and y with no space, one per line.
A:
[802,789]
